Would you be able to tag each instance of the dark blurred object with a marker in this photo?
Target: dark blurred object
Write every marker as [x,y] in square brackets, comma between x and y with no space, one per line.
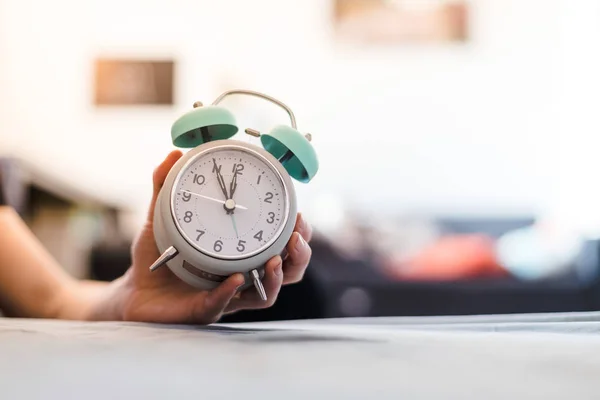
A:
[3,200]
[12,189]
[491,227]
[109,262]
[303,300]
[355,289]
[65,219]
[450,258]
[588,261]
[335,286]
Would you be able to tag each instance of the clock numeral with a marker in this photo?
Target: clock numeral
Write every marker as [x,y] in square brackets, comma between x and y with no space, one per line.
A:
[186,196]
[218,246]
[258,180]
[188,216]
[238,168]
[240,247]
[199,179]
[258,236]
[200,233]
[215,168]
[268,197]
[271,218]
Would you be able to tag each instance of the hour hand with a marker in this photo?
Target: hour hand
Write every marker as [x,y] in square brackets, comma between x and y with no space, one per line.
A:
[220,179]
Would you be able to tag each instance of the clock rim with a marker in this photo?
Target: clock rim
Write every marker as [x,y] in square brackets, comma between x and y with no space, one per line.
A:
[252,150]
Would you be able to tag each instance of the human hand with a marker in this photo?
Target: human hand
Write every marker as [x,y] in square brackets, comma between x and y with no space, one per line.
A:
[159,296]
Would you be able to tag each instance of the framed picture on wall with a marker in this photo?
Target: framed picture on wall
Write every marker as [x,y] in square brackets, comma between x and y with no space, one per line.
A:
[121,82]
[401,21]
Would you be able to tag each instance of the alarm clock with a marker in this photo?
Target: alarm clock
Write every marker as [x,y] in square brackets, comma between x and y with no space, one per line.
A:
[227,206]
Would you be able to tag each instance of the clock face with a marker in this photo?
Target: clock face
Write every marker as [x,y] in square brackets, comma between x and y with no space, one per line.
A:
[229,202]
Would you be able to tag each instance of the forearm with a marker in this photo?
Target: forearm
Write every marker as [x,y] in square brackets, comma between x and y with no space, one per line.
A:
[32,284]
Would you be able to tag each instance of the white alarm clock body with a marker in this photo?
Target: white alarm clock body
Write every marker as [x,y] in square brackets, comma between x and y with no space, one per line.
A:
[213,233]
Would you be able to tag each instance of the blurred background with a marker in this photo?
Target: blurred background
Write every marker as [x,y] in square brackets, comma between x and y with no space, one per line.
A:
[457,139]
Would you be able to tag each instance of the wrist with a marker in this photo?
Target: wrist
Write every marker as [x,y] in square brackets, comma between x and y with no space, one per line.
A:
[106,303]
[91,301]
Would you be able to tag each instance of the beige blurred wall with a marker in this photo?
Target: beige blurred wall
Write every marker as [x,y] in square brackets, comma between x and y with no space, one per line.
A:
[470,129]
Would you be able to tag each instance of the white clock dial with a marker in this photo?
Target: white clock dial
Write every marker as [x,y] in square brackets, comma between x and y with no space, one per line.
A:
[225,226]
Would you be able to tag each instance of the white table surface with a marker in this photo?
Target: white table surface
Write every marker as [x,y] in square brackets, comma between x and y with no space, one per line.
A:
[489,357]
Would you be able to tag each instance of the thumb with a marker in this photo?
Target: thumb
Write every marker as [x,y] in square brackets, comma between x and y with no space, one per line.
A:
[159,176]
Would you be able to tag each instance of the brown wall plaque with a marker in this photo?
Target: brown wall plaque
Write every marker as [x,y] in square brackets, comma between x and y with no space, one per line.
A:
[133,82]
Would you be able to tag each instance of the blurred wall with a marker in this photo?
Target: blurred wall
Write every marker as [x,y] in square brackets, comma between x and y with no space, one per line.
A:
[468,129]
[576,199]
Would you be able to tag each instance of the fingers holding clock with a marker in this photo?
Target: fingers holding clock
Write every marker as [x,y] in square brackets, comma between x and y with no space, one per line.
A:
[298,252]
[272,281]
[303,227]
[279,272]
[144,247]
[210,308]
[159,176]
[161,172]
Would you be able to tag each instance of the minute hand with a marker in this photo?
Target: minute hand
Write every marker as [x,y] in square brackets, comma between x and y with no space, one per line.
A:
[233,184]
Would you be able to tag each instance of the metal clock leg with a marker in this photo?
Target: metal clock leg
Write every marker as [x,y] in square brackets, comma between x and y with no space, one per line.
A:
[165,257]
[258,284]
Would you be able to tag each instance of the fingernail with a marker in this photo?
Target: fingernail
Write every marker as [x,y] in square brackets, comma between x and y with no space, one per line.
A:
[300,243]
[304,225]
[243,282]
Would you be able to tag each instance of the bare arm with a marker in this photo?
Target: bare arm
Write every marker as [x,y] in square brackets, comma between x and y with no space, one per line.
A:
[32,284]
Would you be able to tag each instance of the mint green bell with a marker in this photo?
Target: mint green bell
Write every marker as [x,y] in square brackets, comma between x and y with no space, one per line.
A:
[286,143]
[202,125]
[293,150]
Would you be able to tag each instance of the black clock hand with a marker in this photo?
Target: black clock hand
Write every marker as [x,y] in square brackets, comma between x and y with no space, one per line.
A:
[220,179]
[233,184]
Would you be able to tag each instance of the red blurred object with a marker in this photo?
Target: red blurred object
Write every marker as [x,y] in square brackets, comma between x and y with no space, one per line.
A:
[450,258]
